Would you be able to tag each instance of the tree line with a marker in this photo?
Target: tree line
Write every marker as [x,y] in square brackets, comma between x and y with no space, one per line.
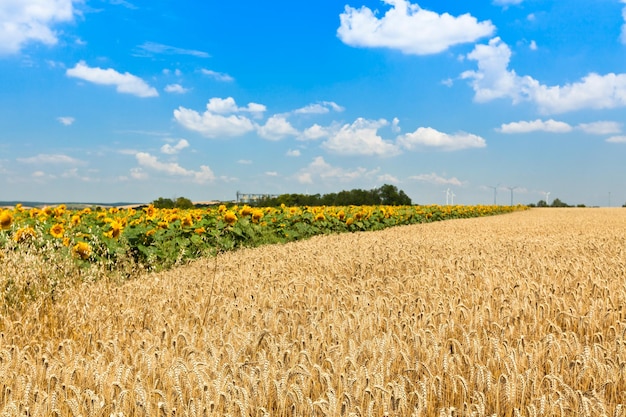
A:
[384,195]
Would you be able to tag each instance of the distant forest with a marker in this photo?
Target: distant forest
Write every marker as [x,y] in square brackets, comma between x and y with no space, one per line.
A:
[385,195]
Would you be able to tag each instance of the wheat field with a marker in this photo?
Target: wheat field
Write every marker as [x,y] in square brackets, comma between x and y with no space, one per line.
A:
[521,314]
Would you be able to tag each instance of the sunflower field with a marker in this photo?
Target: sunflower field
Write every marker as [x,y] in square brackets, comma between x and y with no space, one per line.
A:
[159,238]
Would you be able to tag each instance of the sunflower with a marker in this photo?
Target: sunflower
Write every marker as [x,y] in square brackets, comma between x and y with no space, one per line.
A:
[82,249]
[57,230]
[319,217]
[257,215]
[24,234]
[5,219]
[230,217]
[116,229]
[187,221]
[245,211]
[75,219]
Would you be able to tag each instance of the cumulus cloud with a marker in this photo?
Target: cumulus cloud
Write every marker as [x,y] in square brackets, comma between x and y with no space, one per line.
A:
[433,178]
[50,159]
[219,76]
[228,105]
[319,169]
[319,108]
[171,150]
[554,126]
[124,83]
[360,138]
[218,120]
[315,132]
[538,125]
[427,137]
[494,80]
[276,128]
[601,128]
[202,176]
[409,28]
[293,152]
[24,21]
[66,120]
[175,88]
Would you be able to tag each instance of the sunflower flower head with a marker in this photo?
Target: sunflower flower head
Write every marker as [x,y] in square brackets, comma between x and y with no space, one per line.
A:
[6,219]
[230,217]
[57,231]
[25,234]
[82,250]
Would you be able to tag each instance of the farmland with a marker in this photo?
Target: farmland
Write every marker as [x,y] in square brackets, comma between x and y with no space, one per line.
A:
[517,314]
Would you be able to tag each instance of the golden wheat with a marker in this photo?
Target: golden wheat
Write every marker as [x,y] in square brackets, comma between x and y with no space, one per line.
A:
[515,315]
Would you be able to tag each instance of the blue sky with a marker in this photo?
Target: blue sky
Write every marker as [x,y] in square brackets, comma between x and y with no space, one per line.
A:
[128,100]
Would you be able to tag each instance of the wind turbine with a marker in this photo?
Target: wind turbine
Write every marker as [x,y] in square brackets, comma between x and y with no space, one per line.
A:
[447,196]
[495,192]
[511,189]
[452,195]
[547,193]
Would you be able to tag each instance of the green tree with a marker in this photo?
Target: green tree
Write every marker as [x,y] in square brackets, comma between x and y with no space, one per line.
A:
[163,203]
[184,203]
[558,203]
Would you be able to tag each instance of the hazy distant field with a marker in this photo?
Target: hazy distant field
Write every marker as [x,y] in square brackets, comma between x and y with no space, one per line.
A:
[517,314]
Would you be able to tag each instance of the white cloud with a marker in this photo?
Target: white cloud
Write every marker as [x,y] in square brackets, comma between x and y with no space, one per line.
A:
[409,28]
[601,127]
[617,139]
[66,121]
[172,168]
[433,178]
[427,137]
[151,48]
[271,173]
[124,83]
[395,125]
[593,91]
[276,128]
[175,88]
[138,173]
[494,80]
[361,138]
[24,21]
[204,176]
[319,169]
[171,150]
[533,45]
[538,125]
[50,159]
[293,152]
[388,178]
[219,76]
[228,105]
[212,123]
[320,108]
[315,132]
[244,161]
